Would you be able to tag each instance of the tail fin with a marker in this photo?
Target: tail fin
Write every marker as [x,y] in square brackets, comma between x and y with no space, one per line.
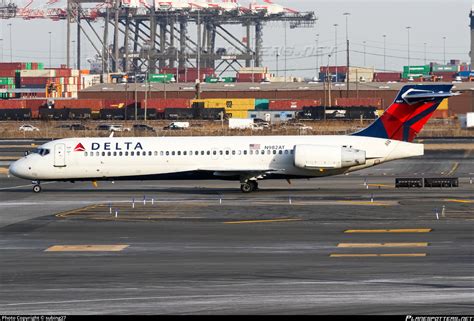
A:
[410,111]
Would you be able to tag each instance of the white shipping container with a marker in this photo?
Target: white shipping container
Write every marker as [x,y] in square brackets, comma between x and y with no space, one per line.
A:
[38,73]
[470,120]
[240,123]
[75,73]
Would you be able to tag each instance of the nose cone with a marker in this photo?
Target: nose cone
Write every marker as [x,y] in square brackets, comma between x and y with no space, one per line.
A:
[20,169]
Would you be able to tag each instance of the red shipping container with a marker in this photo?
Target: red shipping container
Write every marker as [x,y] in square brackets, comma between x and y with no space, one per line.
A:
[118,103]
[93,104]
[35,80]
[166,103]
[351,102]
[296,104]
[256,77]
[447,75]
[387,76]
[8,73]
[12,103]
[334,69]
[12,65]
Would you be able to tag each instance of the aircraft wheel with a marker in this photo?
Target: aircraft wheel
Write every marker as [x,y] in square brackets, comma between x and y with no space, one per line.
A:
[254,185]
[246,187]
[37,188]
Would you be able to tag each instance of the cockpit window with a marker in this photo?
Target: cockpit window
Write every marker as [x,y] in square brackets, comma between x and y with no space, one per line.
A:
[41,151]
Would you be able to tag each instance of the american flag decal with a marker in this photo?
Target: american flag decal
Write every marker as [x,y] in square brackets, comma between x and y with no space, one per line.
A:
[254,146]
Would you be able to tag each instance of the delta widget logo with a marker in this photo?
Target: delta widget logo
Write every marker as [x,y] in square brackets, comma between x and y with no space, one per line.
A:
[79,148]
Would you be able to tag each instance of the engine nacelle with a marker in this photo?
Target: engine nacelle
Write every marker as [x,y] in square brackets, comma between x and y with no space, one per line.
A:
[332,157]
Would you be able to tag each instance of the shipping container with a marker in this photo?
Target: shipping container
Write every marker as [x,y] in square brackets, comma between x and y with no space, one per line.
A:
[296,104]
[161,78]
[253,70]
[255,77]
[416,71]
[387,76]
[93,104]
[445,68]
[208,113]
[230,103]
[262,104]
[237,113]
[333,69]
[211,80]
[364,102]
[166,103]
[444,75]
[339,113]
[37,73]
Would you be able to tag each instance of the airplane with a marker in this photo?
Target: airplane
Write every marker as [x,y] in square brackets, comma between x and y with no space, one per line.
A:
[247,159]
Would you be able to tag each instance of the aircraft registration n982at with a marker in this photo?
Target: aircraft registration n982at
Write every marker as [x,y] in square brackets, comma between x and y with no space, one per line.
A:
[243,158]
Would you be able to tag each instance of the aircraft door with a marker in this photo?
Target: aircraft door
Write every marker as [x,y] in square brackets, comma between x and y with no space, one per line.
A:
[59,155]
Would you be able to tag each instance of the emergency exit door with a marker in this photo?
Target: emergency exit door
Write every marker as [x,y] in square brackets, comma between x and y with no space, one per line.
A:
[59,155]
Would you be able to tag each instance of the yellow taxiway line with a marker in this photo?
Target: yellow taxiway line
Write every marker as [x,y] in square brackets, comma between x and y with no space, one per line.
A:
[380,255]
[368,203]
[370,245]
[3,170]
[458,201]
[264,221]
[87,248]
[406,230]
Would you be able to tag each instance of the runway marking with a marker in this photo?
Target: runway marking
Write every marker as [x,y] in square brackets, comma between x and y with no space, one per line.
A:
[369,245]
[19,186]
[75,211]
[8,158]
[458,201]
[86,248]
[381,185]
[417,230]
[381,255]
[366,203]
[17,146]
[265,221]
[453,169]
[3,170]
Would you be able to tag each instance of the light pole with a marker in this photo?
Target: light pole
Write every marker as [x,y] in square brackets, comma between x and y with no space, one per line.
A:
[49,49]
[424,52]
[408,32]
[364,42]
[277,54]
[335,47]
[317,56]
[11,43]
[444,50]
[347,14]
[384,52]
[73,54]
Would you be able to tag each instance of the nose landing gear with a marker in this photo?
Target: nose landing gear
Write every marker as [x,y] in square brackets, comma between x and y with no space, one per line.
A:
[36,187]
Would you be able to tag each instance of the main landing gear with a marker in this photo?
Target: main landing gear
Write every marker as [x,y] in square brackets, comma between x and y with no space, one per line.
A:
[36,187]
[249,186]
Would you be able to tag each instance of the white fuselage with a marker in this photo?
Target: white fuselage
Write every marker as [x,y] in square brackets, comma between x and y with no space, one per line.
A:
[221,157]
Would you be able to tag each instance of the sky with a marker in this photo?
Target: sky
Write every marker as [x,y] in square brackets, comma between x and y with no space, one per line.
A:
[369,20]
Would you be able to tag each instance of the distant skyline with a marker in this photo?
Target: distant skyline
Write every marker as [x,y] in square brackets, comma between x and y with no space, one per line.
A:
[369,20]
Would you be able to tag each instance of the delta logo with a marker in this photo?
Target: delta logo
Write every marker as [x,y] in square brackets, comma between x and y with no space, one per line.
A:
[79,148]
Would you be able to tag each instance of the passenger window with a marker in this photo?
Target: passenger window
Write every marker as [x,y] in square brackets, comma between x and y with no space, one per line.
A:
[209,153]
[97,153]
[269,152]
[179,153]
[274,152]
[115,153]
[185,153]
[161,153]
[138,153]
[85,153]
[132,154]
[251,152]
[292,151]
[126,153]
[149,153]
[120,153]
[286,151]
[221,152]
[256,152]
[239,152]
[214,153]
[202,152]
[233,152]
[245,152]
[109,153]
[173,153]
[227,152]
[156,153]
[280,152]
[167,153]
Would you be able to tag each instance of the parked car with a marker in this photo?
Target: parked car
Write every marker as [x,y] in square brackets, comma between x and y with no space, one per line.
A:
[73,127]
[113,128]
[177,125]
[28,128]
[299,126]
[143,127]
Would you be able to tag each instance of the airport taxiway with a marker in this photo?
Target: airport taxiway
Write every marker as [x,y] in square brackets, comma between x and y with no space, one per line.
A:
[342,245]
